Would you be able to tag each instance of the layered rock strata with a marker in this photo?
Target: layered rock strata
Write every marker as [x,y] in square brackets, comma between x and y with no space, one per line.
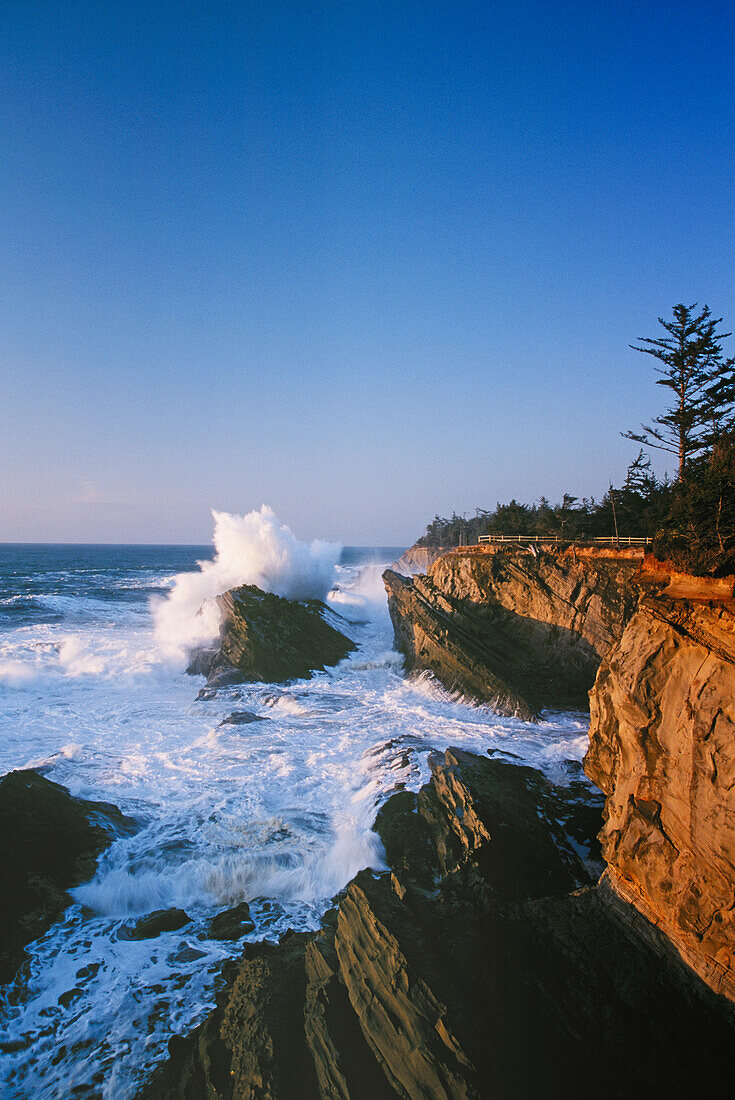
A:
[662,748]
[480,966]
[418,559]
[518,630]
[266,637]
[49,842]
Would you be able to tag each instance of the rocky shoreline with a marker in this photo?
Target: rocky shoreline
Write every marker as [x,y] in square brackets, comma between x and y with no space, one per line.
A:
[505,951]
[491,959]
[519,630]
[485,963]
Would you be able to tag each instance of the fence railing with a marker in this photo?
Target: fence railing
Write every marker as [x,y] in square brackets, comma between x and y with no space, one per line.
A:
[598,540]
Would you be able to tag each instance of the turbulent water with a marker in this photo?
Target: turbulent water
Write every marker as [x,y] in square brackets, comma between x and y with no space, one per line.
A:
[277,813]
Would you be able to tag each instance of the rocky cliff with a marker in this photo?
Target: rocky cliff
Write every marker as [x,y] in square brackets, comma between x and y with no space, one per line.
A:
[662,748]
[490,961]
[484,964]
[516,629]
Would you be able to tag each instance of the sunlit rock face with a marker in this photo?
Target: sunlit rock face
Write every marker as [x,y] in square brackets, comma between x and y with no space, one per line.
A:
[520,631]
[418,559]
[662,748]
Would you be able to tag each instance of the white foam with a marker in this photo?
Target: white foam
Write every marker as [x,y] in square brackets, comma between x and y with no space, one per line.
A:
[18,674]
[252,549]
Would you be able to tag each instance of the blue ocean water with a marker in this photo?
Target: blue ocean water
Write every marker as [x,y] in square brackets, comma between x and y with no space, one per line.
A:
[36,577]
[277,813]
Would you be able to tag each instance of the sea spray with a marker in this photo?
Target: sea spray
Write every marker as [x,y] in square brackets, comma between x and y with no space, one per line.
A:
[362,596]
[252,549]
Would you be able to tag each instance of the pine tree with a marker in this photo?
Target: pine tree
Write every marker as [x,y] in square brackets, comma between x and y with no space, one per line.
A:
[718,405]
[693,368]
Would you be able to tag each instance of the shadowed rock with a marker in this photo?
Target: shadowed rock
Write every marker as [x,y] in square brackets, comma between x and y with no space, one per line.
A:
[516,630]
[265,637]
[155,924]
[232,924]
[49,842]
[482,966]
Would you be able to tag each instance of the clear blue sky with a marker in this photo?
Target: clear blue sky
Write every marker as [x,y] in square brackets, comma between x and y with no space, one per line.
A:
[363,261]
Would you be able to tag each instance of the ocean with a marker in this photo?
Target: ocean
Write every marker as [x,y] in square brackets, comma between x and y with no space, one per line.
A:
[278,813]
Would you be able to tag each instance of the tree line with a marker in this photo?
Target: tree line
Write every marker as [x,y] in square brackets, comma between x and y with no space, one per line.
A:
[690,518]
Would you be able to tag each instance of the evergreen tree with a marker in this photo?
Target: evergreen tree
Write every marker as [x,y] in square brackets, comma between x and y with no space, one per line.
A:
[718,404]
[694,370]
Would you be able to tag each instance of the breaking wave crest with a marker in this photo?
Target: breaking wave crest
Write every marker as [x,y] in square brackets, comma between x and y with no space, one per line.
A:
[252,549]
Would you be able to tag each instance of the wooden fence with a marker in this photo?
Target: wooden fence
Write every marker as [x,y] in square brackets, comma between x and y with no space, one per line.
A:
[599,540]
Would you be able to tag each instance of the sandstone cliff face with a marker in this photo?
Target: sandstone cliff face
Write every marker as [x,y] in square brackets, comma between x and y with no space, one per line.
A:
[662,748]
[517,630]
[482,966]
[418,559]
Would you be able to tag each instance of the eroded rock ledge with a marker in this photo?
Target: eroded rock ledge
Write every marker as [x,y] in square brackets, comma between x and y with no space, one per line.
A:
[485,964]
[518,630]
[662,748]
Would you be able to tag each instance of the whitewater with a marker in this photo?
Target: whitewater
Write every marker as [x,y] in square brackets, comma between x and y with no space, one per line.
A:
[278,813]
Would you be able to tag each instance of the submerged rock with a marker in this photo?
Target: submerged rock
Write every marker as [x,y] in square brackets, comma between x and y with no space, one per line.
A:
[485,965]
[232,924]
[517,630]
[266,637]
[242,718]
[155,924]
[49,842]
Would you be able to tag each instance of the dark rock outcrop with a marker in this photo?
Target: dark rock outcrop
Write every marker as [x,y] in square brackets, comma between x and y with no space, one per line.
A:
[154,924]
[520,631]
[662,748]
[49,842]
[231,924]
[484,965]
[253,1044]
[242,718]
[266,637]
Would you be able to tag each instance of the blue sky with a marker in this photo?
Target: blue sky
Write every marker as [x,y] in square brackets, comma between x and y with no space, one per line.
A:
[364,262]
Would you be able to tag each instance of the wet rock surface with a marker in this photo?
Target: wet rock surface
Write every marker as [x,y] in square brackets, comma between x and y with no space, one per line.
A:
[155,924]
[266,637]
[485,964]
[232,924]
[520,631]
[242,718]
[49,842]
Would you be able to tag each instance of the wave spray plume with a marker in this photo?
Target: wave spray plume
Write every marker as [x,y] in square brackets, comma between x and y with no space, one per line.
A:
[252,549]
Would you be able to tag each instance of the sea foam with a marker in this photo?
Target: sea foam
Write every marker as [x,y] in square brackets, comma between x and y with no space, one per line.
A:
[252,549]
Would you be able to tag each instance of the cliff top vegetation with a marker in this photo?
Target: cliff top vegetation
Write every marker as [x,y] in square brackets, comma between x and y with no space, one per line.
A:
[692,519]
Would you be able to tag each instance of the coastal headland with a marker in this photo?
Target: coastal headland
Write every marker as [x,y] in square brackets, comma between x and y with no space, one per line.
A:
[526,938]
[494,933]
